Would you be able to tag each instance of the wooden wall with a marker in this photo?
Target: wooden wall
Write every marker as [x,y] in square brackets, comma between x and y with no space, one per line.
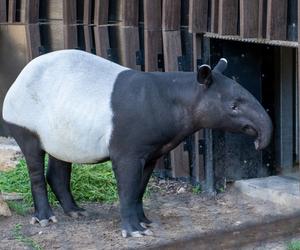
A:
[150,35]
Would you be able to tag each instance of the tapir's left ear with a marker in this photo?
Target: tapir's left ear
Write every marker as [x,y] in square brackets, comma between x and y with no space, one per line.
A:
[221,66]
[204,74]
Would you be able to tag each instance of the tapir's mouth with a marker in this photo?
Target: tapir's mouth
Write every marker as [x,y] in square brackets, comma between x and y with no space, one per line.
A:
[249,130]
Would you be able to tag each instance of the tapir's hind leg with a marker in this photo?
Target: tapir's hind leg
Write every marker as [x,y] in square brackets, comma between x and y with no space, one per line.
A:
[58,177]
[34,156]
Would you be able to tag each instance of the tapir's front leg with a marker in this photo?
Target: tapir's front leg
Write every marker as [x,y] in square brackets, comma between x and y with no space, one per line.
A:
[129,174]
[148,169]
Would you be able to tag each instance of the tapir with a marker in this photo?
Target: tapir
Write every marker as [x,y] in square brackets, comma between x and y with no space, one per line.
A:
[80,108]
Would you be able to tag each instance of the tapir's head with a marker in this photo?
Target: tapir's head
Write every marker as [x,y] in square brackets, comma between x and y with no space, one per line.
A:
[230,107]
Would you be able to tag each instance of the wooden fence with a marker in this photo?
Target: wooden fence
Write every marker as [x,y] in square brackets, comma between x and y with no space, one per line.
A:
[152,35]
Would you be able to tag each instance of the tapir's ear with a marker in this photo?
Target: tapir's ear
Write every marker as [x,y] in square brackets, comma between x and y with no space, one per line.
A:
[204,74]
[221,66]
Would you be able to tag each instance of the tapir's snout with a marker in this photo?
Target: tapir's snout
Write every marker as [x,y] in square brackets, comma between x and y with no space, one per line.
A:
[261,128]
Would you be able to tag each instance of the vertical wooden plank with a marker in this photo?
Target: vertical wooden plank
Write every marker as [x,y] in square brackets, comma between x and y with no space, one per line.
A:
[32,11]
[228,17]
[277,20]
[3,8]
[129,45]
[214,14]
[153,48]
[70,36]
[298,73]
[198,16]
[171,15]
[69,12]
[33,40]
[152,34]
[88,38]
[172,49]
[130,12]
[152,14]
[249,16]
[180,162]
[101,12]
[12,11]
[262,18]
[87,12]
[101,40]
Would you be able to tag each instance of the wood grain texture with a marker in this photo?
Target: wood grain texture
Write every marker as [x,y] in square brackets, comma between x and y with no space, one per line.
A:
[198,16]
[153,47]
[180,162]
[101,12]
[276,20]
[3,9]
[249,17]
[12,4]
[171,15]
[87,12]
[88,38]
[101,40]
[228,17]
[70,36]
[262,18]
[32,11]
[33,40]
[130,12]
[152,14]
[129,45]
[172,49]
[69,12]
[214,16]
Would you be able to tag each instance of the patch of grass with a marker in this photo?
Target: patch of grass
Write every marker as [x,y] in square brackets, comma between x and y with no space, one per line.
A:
[19,236]
[20,207]
[197,189]
[88,182]
[294,245]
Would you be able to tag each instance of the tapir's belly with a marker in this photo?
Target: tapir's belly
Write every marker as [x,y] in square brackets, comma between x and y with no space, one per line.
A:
[65,98]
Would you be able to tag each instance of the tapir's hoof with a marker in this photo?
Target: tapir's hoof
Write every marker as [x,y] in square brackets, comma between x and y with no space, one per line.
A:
[44,222]
[136,234]
[77,214]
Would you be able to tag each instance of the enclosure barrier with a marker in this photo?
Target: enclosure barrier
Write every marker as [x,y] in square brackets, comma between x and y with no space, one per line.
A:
[149,35]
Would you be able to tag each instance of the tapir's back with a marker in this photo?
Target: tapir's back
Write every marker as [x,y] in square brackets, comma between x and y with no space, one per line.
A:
[65,98]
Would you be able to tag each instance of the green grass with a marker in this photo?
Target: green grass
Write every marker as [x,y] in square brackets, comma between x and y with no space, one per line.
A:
[20,207]
[19,236]
[89,183]
[294,245]
[197,189]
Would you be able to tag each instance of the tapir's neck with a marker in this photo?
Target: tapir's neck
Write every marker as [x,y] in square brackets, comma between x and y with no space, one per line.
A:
[183,90]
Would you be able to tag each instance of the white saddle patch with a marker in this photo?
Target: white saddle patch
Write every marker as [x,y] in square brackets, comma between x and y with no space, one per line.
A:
[65,97]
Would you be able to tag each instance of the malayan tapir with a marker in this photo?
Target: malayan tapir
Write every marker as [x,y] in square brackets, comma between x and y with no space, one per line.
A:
[78,107]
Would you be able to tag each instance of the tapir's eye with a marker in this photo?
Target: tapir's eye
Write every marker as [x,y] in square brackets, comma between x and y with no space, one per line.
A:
[234,107]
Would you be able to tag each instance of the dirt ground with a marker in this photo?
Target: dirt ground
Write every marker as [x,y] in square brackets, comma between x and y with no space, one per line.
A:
[176,210]
[176,214]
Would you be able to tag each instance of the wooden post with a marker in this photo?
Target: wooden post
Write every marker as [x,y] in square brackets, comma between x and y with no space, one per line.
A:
[32,11]
[198,171]
[101,12]
[129,33]
[198,16]
[3,8]
[152,34]
[298,73]
[70,27]
[33,40]
[228,17]
[171,15]
[172,51]
[214,15]
[12,11]
[277,20]
[249,18]
[262,18]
